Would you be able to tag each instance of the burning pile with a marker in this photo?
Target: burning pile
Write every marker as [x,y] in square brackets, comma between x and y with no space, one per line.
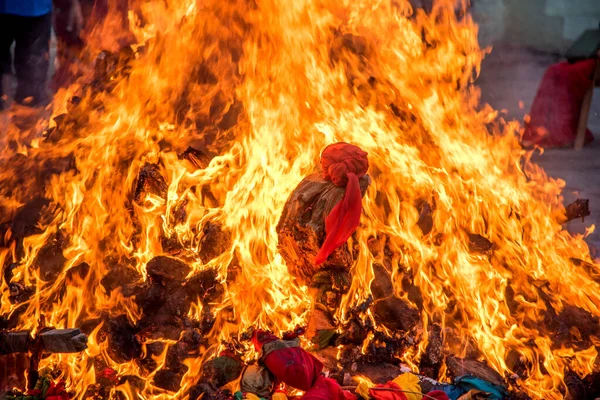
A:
[171,210]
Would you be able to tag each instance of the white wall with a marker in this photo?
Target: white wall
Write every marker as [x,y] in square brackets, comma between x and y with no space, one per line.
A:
[547,25]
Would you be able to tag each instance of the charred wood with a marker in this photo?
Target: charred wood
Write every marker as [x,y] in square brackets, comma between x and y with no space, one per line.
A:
[215,241]
[580,208]
[50,341]
[480,244]
[168,380]
[123,344]
[382,285]
[395,314]
[167,269]
[197,158]
[301,228]
[205,286]
[221,370]
[432,360]
[575,387]
[425,222]
[150,180]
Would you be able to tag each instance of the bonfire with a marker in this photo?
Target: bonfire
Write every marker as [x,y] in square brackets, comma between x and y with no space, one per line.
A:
[256,186]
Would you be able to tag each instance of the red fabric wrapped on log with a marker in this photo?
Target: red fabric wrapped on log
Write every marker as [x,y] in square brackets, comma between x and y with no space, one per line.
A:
[288,362]
[327,389]
[555,111]
[343,164]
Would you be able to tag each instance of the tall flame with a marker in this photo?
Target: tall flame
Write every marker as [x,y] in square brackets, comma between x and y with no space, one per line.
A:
[301,74]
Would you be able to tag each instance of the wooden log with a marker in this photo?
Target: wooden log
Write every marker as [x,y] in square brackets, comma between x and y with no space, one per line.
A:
[52,341]
[301,228]
[64,340]
[15,342]
[396,314]
[580,208]
[150,180]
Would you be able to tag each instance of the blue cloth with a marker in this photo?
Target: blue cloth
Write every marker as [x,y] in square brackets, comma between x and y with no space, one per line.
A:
[26,8]
[453,392]
[468,382]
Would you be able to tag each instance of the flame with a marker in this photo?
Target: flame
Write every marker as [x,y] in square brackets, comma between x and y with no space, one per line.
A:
[267,85]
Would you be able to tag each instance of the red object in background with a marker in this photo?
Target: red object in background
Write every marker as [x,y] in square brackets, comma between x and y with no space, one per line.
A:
[393,392]
[293,366]
[327,389]
[342,164]
[555,111]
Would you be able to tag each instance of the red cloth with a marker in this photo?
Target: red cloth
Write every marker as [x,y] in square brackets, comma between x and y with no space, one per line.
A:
[395,392]
[438,395]
[293,366]
[327,389]
[57,391]
[342,164]
[555,111]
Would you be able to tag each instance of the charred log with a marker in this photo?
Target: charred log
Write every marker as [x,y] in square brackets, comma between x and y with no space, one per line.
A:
[205,286]
[580,208]
[395,314]
[432,360]
[167,269]
[168,380]
[150,180]
[222,370]
[480,244]
[197,158]
[123,344]
[215,241]
[425,222]
[382,285]
[50,341]
[118,276]
[301,228]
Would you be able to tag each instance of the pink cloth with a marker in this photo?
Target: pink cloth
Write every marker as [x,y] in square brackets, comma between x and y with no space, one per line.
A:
[555,111]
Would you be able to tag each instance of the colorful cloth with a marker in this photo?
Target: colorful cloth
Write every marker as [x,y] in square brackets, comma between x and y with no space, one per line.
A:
[453,392]
[468,382]
[343,164]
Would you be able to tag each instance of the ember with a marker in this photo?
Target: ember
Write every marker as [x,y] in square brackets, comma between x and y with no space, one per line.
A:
[177,233]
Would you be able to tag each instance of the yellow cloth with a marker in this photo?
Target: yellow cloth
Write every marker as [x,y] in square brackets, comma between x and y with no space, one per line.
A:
[279,396]
[363,388]
[410,383]
[251,396]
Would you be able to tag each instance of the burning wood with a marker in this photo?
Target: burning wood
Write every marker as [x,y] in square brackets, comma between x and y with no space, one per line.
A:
[161,216]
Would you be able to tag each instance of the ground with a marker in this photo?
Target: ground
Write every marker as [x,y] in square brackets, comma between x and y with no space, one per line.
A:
[513,74]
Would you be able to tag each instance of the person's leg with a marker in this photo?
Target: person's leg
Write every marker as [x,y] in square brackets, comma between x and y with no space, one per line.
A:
[32,58]
[6,39]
